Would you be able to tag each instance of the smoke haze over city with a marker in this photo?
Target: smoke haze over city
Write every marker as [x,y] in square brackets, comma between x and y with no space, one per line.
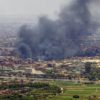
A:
[60,38]
[56,32]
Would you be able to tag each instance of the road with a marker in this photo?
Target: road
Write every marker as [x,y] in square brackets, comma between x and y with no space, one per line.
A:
[41,79]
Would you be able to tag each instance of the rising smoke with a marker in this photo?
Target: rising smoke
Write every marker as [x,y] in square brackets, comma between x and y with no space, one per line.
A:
[60,38]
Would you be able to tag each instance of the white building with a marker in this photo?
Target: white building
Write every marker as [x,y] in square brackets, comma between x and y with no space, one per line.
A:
[33,71]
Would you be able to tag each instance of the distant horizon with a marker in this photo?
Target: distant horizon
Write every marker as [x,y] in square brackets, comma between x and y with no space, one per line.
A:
[30,8]
[21,10]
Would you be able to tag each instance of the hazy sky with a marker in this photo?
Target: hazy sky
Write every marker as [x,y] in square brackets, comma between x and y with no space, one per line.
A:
[29,9]
[18,8]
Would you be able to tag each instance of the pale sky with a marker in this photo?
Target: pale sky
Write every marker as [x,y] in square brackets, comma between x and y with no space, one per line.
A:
[21,8]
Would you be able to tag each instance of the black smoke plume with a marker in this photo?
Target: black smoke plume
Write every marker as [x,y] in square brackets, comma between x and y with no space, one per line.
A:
[60,38]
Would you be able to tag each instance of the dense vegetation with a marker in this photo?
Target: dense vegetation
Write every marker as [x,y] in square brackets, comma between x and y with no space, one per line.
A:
[92,72]
[30,91]
[52,91]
